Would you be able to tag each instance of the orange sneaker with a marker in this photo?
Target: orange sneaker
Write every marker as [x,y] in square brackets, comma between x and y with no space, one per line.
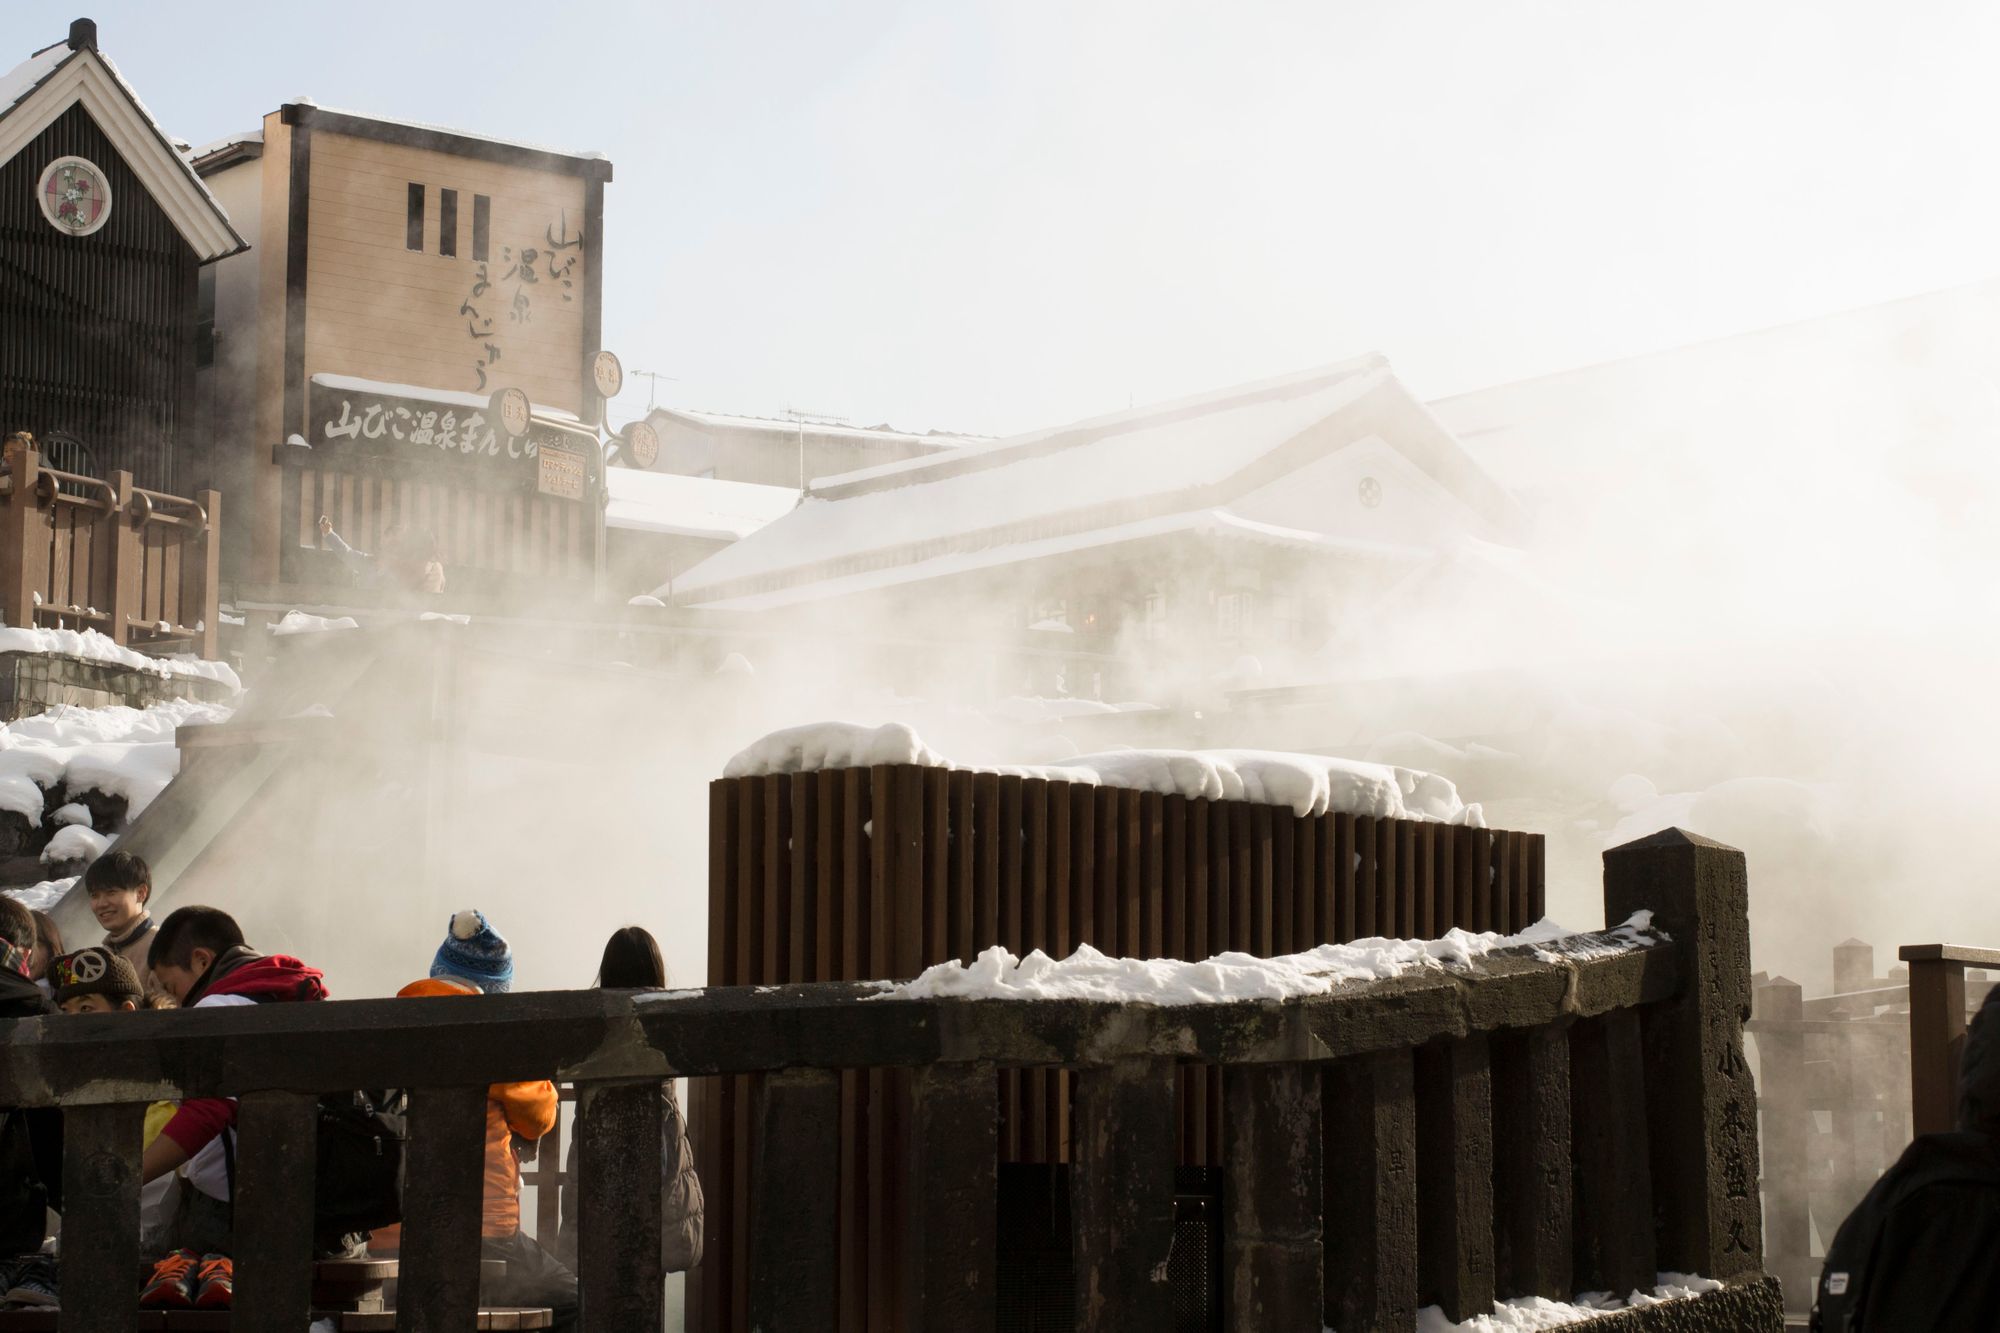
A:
[172,1285]
[217,1283]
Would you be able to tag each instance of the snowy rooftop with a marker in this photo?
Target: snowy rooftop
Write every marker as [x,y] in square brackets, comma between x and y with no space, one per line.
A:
[1307,784]
[691,506]
[789,429]
[1146,464]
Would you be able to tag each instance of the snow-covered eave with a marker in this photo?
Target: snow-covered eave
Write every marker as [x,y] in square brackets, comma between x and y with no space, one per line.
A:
[787,432]
[89,78]
[586,162]
[1212,523]
[428,393]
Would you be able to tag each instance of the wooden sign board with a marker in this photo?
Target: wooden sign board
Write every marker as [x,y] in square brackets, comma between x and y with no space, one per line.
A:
[564,472]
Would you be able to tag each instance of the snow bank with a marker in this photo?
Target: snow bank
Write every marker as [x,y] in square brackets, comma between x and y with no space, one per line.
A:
[41,897]
[1529,1313]
[74,842]
[1308,784]
[298,622]
[1089,975]
[120,751]
[72,814]
[95,647]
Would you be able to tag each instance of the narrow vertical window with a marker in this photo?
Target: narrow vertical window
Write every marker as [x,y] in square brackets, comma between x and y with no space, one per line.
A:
[448,223]
[413,229]
[482,207]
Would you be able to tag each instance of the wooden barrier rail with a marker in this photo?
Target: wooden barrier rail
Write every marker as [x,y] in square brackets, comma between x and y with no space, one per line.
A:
[1938,1019]
[139,566]
[1596,1088]
[843,875]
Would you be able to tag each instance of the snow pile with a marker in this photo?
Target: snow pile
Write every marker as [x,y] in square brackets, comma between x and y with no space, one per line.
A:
[74,842]
[1089,975]
[1307,784]
[821,745]
[298,622]
[71,814]
[1527,1313]
[126,752]
[41,897]
[95,647]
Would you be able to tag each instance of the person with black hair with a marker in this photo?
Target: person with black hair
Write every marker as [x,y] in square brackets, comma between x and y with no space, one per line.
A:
[30,1138]
[48,948]
[632,961]
[118,885]
[199,956]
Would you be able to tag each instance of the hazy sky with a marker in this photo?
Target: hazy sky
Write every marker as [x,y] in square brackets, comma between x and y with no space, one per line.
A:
[994,217]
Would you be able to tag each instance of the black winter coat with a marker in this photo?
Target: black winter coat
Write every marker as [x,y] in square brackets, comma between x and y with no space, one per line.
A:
[30,1143]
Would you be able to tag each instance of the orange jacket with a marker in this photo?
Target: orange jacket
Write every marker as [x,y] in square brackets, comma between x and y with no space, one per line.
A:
[526,1109]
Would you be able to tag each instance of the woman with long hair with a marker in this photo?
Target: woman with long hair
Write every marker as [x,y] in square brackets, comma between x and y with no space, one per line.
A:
[632,961]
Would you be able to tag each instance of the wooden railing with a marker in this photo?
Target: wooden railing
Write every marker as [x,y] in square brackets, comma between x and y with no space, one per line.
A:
[1535,1122]
[90,553]
[1938,1019]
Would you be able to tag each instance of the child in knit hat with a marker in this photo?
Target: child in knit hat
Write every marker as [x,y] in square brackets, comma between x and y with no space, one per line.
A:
[96,980]
[474,953]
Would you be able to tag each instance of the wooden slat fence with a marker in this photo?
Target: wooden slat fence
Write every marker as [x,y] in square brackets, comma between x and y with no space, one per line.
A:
[1541,1120]
[844,875]
[138,566]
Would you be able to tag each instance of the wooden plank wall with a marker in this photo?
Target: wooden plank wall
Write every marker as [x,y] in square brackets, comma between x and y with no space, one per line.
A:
[506,532]
[854,874]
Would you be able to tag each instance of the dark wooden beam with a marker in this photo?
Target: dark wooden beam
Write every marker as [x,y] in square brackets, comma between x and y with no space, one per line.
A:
[1455,1177]
[1369,1128]
[1613,1229]
[953,1201]
[444,1178]
[1122,1196]
[1272,1271]
[276,1157]
[101,1215]
[794,1191]
[619,1274]
[1531,1163]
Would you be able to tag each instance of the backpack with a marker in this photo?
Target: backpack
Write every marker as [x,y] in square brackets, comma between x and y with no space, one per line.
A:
[1917,1251]
[357,1162]
[358,1173]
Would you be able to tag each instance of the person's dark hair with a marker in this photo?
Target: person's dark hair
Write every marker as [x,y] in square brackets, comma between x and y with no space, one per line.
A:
[189,928]
[48,934]
[17,923]
[631,960]
[118,870]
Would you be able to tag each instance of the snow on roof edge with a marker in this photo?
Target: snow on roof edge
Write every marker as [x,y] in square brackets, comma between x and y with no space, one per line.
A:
[578,154]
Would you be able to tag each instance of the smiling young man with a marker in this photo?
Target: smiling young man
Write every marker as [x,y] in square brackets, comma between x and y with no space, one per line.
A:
[119,884]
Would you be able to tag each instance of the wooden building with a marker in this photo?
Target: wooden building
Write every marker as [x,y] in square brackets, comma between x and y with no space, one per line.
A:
[403,275]
[105,233]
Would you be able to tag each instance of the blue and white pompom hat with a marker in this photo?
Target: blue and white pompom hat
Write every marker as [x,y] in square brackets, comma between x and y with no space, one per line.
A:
[475,953]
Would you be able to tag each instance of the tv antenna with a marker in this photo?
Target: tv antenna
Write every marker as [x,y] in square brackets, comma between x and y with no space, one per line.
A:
[652,384]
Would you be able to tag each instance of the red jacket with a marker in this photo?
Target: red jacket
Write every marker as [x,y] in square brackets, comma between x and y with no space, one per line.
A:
[239,971]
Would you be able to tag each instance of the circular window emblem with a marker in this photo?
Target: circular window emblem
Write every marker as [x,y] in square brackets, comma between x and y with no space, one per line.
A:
[74,195]
[1371,493]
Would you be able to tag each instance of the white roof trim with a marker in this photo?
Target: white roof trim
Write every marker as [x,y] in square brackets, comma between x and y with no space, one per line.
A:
[88,78]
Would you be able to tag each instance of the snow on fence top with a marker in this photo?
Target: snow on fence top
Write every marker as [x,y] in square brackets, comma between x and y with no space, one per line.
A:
[1308,784]
[95,647]
[128,752]
[1089,975]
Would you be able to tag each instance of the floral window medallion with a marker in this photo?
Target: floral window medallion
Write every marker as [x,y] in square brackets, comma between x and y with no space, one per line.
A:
[75,197]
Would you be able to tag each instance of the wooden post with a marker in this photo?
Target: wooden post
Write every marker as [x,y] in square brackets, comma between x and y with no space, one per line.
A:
[24,547]
[1700,1101]
[1531,1164]
[1272,1271]
[1122,1196]
[1937,1029]
[1786,1113]
[100,1215]
[123,545]
[953,1200]
[1614,1245]
[1369,1128]
[1455,1177]
[444,1179]
[620,1281]
[201,573]
[794,1190]
[273,1199]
